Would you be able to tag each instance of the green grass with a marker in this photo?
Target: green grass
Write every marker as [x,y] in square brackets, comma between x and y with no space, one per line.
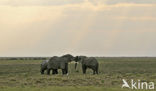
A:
[24,75]
[69,88]
[66,88]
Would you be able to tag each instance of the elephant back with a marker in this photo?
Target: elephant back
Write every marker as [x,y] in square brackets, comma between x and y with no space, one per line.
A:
[90,61]
[57,63]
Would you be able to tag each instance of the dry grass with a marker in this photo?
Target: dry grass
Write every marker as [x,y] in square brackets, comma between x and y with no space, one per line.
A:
[18,74]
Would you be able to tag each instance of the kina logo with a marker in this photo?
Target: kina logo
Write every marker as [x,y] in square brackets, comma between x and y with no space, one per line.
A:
[137,84]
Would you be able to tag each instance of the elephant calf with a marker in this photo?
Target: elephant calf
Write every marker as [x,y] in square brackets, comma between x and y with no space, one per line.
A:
[44,65]
[88,62]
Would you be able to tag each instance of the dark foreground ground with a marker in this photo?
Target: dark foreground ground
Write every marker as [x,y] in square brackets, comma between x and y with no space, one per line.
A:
[24,75]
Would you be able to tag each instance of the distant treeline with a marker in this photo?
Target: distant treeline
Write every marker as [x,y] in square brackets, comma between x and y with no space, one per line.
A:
[23,58]
[45,58]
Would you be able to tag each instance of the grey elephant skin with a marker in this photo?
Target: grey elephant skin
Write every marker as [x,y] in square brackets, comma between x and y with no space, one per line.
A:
[59,63]
[44,65]
[87,62]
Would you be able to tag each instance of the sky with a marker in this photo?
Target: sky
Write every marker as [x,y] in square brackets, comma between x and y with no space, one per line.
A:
[79,27]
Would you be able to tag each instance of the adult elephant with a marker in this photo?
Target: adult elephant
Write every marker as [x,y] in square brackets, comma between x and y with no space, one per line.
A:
[87,62]
[59,63]
[44,65]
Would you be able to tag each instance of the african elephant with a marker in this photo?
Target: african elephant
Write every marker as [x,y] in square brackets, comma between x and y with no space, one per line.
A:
[87,62]
[59,63]
[44,65]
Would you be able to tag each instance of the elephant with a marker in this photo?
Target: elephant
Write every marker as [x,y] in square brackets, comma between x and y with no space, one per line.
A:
[59,63]
[87,62]
[44,65]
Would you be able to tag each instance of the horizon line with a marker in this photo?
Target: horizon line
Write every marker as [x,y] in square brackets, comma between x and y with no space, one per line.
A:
[79,55]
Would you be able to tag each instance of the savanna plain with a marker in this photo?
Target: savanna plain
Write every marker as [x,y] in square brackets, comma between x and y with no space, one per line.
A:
[24,75]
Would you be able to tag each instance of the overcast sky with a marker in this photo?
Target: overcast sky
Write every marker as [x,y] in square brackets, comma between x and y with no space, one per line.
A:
[79,27]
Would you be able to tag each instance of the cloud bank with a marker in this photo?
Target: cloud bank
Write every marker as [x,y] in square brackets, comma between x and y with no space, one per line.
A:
[80,27]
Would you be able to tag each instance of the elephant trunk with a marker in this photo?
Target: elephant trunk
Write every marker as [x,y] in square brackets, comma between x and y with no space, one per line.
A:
[75,65]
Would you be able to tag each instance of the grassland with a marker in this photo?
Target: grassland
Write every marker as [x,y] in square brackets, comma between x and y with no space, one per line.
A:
[24,75]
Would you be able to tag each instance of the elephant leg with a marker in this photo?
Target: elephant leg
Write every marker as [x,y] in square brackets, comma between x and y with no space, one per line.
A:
[66,69]
[42,71]
[97,72]
[84,69]
[63,71]
[93,72]
[53,71]
[97,69]
[56,71]
[48,71]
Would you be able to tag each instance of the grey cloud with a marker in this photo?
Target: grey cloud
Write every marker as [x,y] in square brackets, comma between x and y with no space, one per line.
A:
[64,2]
[39,2]
[128,1]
